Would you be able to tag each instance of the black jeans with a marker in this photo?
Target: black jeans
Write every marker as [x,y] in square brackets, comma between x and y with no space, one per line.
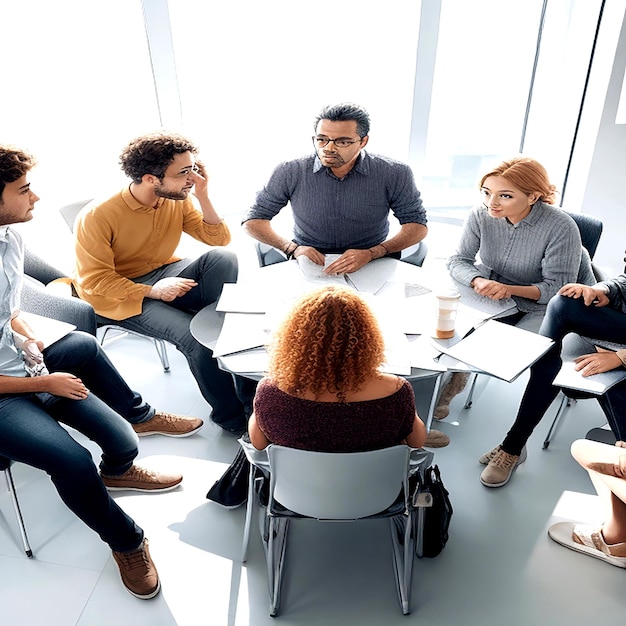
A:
[31,432]
[229,396]
[568,315]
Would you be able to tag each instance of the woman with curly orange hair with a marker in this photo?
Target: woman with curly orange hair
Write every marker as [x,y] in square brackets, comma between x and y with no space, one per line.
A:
[324,390]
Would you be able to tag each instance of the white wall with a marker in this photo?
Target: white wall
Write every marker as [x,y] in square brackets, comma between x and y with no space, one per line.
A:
[605,191]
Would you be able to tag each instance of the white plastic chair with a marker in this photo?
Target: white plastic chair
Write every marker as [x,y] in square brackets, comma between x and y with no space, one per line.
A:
[337,487]
[69,213]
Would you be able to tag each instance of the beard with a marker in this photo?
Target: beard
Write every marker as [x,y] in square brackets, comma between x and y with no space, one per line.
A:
[161,191]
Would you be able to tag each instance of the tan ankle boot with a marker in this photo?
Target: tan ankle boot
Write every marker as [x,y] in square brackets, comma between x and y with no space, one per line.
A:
[452,388]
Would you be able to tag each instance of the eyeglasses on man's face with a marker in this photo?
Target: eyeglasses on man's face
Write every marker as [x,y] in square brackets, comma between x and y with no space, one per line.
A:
[342,142]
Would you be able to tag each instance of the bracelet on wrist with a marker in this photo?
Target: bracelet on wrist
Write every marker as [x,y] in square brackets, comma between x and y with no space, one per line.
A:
[385,248]
[291,252]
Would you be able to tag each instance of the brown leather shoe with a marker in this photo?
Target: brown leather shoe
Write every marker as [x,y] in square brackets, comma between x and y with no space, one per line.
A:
[139,478]
[138,572]
[169,425]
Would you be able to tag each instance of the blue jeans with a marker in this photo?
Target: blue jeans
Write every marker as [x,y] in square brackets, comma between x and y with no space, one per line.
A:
[568,315]
[229,396]
[31,433]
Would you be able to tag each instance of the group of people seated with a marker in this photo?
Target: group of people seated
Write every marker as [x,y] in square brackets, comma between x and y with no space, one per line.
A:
[324,389]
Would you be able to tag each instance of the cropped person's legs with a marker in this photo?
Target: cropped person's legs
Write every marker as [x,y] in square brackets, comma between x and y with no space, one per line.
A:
[613,403]
[31,435]
[606,466]
[564,315]
[81,355]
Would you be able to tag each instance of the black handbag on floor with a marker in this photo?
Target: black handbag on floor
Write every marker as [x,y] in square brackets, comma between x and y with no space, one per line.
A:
[231,490]
[438,511]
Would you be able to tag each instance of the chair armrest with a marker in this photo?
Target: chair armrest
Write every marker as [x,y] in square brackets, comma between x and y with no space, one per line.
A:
[41,301]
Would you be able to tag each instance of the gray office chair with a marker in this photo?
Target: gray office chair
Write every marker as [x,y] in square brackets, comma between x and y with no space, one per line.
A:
[37,299]
[5,466]
[267,255]
[338,487]
[69,212]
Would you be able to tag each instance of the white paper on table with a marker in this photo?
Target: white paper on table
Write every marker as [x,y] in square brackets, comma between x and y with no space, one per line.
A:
[397,353]
[481,307]
[372,276]
[248,361]
[244,297]
[241,331]
[424,355]
[315,273]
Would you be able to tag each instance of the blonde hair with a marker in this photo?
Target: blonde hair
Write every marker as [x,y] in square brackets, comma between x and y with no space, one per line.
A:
[527,175]
[330,342]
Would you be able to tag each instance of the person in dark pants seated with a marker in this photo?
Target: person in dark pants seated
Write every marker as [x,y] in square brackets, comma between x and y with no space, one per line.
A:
[341,197]
[597,311]
[127,268]
[71,382]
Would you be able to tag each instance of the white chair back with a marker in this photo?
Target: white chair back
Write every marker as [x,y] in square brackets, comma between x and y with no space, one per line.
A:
[337,486]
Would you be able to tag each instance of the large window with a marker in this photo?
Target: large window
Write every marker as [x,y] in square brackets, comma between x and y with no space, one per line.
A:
[76,86]
[254,74]
[508,77]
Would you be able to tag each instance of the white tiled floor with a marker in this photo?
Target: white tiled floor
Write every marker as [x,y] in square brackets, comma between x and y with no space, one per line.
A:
[499,566]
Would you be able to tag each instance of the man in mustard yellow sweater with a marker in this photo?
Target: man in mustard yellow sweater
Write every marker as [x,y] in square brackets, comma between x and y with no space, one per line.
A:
[127,270]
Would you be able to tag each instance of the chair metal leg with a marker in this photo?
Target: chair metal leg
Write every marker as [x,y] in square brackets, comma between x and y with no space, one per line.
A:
[159,344]
[161,348]
[403,544]
[249,512]
[276,545]
[470,395]
[566,402]
[18,512]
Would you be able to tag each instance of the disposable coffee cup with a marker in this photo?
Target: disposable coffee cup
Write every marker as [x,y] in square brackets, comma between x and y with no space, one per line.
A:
[447,307]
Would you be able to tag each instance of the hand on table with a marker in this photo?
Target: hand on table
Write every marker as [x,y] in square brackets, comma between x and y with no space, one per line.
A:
[350,261]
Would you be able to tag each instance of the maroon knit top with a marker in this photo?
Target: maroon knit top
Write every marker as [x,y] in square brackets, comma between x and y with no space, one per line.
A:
[334,426]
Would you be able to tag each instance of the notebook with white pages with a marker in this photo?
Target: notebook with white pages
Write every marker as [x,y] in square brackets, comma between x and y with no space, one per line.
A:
[498,349]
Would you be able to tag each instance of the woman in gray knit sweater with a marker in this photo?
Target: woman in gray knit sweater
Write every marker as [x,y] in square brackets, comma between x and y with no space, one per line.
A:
[517,245]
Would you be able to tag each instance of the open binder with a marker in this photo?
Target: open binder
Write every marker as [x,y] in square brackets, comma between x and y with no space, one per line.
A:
[499,349]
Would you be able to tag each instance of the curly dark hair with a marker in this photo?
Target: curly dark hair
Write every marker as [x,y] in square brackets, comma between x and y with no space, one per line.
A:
[330,342]
[152,154]
[14,163]
[346,112]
